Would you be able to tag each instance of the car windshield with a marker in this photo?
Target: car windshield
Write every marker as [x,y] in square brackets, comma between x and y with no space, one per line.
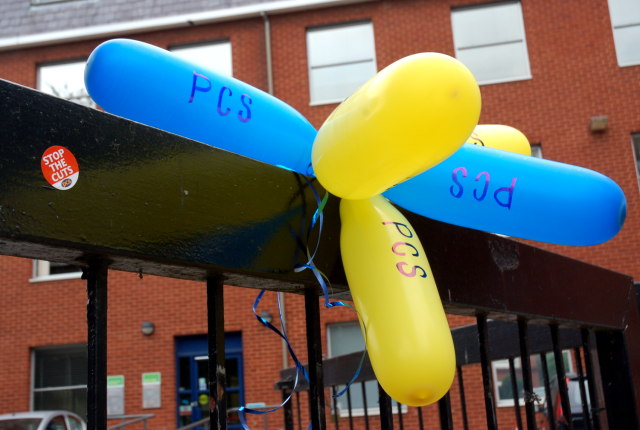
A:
[20,424]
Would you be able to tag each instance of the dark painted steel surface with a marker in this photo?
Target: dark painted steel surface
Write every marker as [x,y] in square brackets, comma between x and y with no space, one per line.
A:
[485,365]
[525,365]
[463,400]
[314,352]
[547,391]
[386,413]
[149,201]
[96,276]
[288,409]
[514,391]
[617,383]
[156,203]
[581,386]
[468,352]
[591,380]
[561,375]
[365,405]
[216,366]
[445,414]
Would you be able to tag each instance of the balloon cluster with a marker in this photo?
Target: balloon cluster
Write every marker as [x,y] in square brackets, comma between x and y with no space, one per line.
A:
[409,135]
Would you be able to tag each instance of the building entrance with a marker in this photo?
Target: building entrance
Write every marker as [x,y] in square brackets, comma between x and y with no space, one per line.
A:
[192,375]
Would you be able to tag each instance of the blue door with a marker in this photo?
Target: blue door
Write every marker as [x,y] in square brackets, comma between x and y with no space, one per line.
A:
[192,365]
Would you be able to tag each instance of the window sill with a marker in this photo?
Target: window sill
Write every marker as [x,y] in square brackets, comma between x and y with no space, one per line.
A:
[56,277]
[370,411]
[505,80]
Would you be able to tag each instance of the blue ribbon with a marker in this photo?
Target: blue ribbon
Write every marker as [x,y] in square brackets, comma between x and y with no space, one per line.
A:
[323,281]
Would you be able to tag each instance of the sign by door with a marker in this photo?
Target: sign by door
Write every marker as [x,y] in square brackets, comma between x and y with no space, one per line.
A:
[151,390]
[115,395]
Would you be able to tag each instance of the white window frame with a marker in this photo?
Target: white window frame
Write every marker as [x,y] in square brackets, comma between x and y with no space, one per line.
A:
[44,2]
[372,405]
[42,272]
[366,56]
[61,71]
[210,50]
[459,24]
[623,20]
[498,365]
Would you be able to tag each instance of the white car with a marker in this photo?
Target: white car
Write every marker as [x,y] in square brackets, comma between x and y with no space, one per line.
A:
[42,420]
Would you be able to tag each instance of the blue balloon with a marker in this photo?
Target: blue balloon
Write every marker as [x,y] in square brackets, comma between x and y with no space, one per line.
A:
[152,86]
[516,195]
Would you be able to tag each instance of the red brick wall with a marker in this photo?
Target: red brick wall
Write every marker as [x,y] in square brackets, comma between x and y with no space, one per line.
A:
[575,77]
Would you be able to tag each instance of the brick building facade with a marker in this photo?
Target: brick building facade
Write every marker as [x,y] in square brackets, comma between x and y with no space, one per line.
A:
[575,68]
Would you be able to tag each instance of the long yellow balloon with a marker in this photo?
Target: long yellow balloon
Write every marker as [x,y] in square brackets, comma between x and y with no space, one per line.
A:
[407,334]
[501,137]
[409,117]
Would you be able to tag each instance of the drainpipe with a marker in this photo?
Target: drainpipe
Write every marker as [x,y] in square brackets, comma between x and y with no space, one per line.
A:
[267,47]
[267,50]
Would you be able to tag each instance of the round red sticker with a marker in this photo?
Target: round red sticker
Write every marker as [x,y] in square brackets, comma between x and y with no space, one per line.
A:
[60,167]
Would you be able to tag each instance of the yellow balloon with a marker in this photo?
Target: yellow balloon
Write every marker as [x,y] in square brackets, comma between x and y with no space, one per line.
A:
[406,330]
[500,137]
[409,117]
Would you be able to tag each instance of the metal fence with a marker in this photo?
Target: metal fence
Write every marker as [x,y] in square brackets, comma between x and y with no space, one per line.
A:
[477,346]
[478,274]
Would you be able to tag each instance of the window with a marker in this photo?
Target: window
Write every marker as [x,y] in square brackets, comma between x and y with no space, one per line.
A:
[490,41]
[49,271]
[341,58]
[345,338]
[635,138]
[536,150]
[60,378]
[64,80]
[214,55]
[502,378]
[625,20]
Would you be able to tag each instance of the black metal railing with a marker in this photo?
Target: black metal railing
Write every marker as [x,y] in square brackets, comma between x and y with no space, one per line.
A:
[481,275]
[481,344]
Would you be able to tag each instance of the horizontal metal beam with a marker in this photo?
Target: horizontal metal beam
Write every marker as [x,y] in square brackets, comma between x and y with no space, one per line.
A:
[158,203]
[149,201]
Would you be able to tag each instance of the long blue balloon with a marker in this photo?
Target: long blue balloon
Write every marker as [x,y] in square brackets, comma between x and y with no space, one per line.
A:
[150,85]
[527,197]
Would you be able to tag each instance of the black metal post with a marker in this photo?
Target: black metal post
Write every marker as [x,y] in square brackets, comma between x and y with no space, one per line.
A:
[400,422]
[617,382]
[583,392]
[444,410]
[547,391]
[489,401]
[96,276]
[514,391]
[365,405]
[463,400]
[386,413]
[591,378]
[314,352]
[287,409]
[420,419]
[561,375]
[350,408]
[525,365]
[217,368]
[298,411]
[336,412]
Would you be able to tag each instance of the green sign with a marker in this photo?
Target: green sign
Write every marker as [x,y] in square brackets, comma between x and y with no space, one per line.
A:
[115,381]
[151,378]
